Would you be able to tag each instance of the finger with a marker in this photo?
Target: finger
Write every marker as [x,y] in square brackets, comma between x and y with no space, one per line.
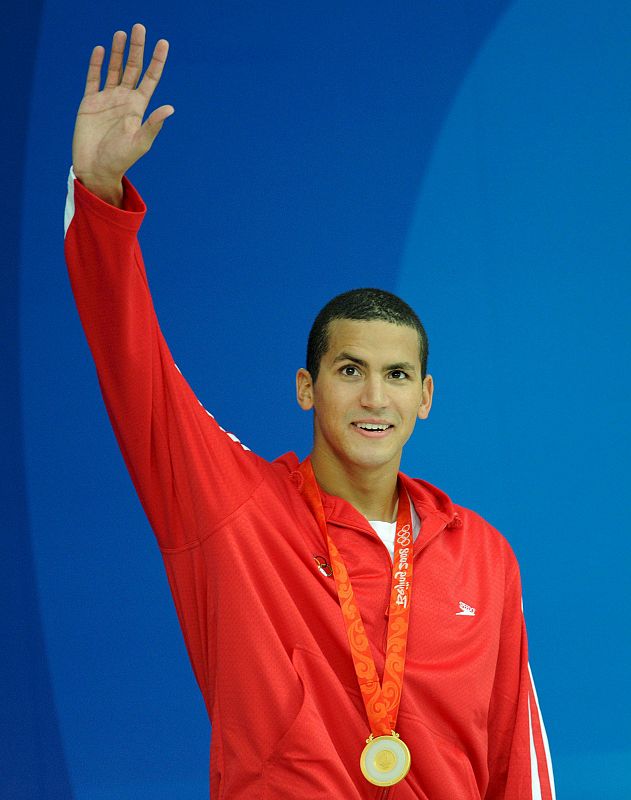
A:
[116,59]
[155,120]
[154,70]
[93,79]
[153,124]
[133,68]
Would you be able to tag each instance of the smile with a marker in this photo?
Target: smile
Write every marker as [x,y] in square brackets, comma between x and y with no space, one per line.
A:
[374,430]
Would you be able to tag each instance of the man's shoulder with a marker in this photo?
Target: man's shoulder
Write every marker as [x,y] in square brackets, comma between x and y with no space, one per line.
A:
[430,499]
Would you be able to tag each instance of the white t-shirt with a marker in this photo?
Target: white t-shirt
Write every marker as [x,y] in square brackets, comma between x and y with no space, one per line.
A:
[386,531]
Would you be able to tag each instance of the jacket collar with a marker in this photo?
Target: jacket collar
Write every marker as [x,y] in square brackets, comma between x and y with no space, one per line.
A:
[430,501]
[433,506]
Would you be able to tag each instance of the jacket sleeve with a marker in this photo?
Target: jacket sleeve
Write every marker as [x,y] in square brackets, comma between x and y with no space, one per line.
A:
[189,473]
[520,767]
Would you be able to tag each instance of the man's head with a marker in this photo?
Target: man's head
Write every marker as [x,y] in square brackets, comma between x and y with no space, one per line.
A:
[367,305]
[365,380]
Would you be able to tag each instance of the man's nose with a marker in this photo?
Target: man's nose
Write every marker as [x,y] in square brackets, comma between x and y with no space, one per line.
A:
[374,393]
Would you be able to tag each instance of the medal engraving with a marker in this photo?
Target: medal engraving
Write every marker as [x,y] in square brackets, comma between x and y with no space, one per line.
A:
[385,760]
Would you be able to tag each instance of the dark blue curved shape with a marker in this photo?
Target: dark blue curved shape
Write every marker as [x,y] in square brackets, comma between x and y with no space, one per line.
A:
[32,764]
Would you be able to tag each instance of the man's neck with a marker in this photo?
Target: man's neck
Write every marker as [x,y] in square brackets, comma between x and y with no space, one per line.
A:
[373,492]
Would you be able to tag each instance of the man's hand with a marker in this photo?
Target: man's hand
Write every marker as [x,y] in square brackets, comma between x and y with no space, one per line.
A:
[109,134]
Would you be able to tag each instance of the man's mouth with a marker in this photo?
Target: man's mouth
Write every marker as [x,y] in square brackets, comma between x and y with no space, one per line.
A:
[372,429]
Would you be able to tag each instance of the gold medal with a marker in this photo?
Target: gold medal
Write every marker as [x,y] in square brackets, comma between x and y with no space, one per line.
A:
[385,760]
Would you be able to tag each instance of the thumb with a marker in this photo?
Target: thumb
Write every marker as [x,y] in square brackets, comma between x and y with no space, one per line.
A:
[153,124]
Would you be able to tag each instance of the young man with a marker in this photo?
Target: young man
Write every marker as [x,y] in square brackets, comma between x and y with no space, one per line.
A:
[354,633]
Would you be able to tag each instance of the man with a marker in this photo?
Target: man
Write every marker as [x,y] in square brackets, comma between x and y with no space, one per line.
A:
[354,633]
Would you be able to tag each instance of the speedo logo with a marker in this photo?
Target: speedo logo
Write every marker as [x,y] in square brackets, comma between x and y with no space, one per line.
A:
[465,610]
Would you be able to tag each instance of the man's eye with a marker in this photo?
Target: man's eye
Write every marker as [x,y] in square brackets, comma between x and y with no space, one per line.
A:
[349,370]
[398,374]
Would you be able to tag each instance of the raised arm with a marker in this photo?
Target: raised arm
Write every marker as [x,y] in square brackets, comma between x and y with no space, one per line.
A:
[190,475]
[109,133]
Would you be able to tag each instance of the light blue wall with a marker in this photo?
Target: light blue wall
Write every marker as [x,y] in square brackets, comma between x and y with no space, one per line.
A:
[519,250]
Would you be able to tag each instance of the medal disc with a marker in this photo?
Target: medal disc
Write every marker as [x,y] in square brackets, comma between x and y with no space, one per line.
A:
[385,760]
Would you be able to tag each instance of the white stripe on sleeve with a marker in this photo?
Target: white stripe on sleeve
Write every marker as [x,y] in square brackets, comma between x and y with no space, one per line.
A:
[544,736]
[534,766]
[69,209]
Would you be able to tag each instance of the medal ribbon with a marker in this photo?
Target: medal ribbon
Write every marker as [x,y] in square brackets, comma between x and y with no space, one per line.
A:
[381,700]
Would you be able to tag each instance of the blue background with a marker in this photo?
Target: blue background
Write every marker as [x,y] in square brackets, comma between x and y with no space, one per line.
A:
[471,156]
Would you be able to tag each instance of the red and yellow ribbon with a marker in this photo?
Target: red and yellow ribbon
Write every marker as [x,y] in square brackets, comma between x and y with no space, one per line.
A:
[381,699]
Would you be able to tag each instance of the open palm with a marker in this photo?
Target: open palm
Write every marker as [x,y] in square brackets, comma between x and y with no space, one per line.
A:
[109,133]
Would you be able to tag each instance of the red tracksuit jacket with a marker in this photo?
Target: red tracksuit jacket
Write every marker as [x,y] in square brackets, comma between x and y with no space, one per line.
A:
[262,624]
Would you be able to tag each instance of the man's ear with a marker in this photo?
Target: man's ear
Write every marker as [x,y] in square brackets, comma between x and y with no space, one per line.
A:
[304,389]
[426,401]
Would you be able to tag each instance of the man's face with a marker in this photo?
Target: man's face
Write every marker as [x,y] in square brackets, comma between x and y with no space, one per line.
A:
[368,394]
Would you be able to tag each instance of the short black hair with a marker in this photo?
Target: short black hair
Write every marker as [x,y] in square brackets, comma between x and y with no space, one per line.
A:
[368,305]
